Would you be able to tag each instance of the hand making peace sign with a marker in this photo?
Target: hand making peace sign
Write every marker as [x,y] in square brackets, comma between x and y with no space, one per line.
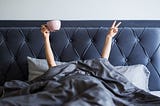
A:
[114,29]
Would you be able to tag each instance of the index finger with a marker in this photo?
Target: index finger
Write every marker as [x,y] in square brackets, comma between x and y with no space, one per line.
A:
[118,24]
[43,25]
[113,25]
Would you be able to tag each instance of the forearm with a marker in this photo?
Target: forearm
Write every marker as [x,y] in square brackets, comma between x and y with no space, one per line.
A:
[49,53]
[107,47]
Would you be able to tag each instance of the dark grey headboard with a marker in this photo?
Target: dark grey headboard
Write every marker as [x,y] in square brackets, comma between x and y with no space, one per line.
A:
[137,42]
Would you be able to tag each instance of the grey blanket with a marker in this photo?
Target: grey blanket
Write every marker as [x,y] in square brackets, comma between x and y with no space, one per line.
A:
[79,83]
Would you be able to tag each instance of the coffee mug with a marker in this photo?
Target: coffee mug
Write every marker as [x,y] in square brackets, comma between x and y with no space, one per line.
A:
[53,25]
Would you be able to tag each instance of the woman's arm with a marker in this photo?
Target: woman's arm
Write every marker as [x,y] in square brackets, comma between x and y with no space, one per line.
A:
[48,50]
[107,45]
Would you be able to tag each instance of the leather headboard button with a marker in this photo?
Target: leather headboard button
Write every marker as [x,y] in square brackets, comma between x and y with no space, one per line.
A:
[93,40]
[138,40]
[115,41]
[27,40]
[149,60]
[126,59]
[70,40]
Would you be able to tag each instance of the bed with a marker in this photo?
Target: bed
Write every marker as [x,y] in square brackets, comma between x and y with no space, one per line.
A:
[78,44]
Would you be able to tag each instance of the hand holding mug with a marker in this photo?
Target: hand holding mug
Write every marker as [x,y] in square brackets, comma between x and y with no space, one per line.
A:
[50,26]
[53,25]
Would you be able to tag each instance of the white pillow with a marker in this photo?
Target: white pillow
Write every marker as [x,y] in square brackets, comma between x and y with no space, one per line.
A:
[137,74]
[37,67]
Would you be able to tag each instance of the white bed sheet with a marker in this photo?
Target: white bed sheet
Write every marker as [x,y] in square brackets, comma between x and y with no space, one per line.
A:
[156,93]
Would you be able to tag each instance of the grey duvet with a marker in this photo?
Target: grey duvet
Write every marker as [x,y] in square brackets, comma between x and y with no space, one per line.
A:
[79,83]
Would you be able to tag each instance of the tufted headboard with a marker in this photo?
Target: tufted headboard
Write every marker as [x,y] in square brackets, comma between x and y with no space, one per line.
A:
[137,42]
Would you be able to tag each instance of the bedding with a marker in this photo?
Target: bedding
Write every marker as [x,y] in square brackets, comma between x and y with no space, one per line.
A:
[156,93]
[88,82]
[137,74]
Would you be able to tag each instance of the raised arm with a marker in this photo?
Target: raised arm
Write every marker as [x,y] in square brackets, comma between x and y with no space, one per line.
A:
[107,45]
[48,50]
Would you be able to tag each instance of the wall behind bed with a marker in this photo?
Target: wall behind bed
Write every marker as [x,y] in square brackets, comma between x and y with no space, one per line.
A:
[79,9]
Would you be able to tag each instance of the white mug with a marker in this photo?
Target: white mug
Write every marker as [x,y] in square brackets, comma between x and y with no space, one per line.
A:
[53,25]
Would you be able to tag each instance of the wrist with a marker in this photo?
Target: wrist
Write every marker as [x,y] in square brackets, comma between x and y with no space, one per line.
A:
[46,39]
[109,37]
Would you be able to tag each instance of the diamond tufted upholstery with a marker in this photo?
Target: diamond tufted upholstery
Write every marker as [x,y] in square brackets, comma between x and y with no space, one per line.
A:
[132,45]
